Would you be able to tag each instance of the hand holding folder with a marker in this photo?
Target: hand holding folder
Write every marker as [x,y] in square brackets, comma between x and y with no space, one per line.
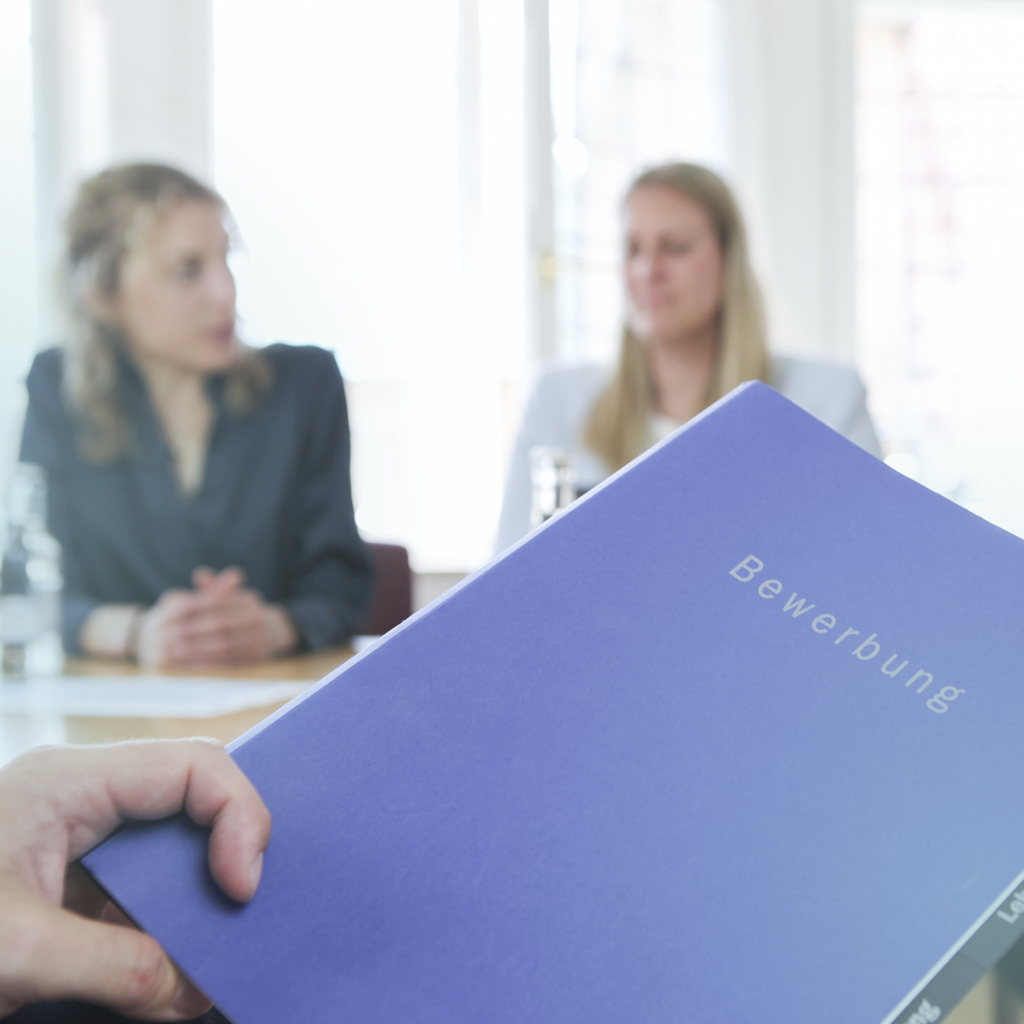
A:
[57,939]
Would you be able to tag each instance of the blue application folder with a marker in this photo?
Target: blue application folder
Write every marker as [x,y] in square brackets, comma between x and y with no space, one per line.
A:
[737,737]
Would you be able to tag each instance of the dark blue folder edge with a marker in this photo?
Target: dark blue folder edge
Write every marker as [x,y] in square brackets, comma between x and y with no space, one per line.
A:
[982,946]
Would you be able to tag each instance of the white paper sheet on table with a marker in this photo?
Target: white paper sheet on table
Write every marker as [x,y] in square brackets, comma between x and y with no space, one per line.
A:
[141,696]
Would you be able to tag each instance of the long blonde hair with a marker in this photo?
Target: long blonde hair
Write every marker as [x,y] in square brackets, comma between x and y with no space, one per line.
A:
[111,212]
[617,427]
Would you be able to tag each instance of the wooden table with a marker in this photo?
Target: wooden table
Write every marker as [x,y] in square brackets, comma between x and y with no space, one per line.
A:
[18,732]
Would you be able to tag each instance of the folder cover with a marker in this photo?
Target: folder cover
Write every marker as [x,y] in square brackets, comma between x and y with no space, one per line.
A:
[737,737]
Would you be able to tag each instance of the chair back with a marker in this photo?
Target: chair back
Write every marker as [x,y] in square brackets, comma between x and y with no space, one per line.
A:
[392,594]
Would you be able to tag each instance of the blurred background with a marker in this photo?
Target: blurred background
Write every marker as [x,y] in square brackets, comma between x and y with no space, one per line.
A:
[430,189]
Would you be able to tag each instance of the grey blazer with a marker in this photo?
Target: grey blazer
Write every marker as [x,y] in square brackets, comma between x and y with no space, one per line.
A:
[562,398]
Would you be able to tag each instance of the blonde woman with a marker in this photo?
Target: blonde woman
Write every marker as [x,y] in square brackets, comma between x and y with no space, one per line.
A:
[695,329]
[199,488]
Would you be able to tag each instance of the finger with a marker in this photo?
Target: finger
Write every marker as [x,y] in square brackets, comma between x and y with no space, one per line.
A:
[213,600]
[226,643]
[174,605]
[240,621]
[222,623]
[214,632]
[101,786]
[224,582]
[235,603]
[234,575]
[61,956]
[221,796]
[159,642]
[202,576]
[239,637]
[179,639]
[227,651]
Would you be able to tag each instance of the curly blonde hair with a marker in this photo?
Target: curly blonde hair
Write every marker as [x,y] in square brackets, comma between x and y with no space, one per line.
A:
[112,211]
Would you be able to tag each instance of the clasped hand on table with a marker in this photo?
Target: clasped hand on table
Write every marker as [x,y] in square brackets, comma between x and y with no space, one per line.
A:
[220,621]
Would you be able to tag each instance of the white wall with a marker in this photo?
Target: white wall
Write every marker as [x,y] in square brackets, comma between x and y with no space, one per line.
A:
[541,340]
[375,170]
[790,100]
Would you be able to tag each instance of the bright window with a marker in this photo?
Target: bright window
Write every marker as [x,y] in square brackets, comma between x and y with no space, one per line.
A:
[380,195]
[940,106]
[635,82]
[18,250]
[339,146]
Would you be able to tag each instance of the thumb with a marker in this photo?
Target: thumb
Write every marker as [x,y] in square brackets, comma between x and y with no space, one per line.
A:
[215,586]
[69,957]
[231,578]
[202,577]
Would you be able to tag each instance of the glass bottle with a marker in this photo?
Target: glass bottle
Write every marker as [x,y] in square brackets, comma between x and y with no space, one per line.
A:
[553,476]
[30,581]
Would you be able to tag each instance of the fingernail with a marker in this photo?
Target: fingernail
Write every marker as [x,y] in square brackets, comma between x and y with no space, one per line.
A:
[256,871]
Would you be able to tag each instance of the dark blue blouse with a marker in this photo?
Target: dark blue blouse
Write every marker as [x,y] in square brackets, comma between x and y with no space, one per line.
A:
[275,499]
